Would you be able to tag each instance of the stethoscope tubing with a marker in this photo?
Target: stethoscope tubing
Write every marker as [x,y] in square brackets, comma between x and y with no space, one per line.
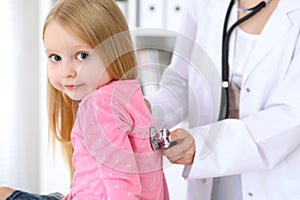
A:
[225,50]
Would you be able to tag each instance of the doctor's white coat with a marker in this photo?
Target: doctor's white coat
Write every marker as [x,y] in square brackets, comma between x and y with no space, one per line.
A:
[263,146]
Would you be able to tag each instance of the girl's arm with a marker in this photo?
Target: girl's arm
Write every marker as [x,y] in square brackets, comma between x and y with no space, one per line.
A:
[108,142]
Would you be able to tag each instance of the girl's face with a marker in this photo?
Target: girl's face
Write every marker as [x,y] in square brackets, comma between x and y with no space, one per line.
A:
[73,67]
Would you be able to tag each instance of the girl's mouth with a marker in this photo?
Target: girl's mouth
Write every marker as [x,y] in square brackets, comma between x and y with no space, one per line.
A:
[72,87]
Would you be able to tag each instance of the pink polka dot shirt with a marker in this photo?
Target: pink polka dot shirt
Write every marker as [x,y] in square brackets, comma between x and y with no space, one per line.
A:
[112,157]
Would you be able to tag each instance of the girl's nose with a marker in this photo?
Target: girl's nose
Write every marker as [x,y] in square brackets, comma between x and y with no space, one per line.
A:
[68,71]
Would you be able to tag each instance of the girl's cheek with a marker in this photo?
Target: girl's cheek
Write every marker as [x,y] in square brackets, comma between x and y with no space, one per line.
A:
[55,84]
[54,81]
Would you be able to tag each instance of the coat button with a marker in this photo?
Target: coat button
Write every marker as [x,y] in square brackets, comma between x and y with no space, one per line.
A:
[250,194]
[248,89]
[203,181]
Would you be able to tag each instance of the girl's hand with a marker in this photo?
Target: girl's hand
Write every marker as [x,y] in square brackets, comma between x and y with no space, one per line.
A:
[184,151]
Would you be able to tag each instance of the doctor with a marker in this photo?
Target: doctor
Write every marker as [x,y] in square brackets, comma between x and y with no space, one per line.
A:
[254,153]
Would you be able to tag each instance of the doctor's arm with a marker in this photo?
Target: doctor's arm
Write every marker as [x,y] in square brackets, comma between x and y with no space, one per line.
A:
[169,104]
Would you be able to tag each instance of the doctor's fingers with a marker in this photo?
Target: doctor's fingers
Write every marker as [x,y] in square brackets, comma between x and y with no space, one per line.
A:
[187,157]
[181,153]
[182,138]
[179,135]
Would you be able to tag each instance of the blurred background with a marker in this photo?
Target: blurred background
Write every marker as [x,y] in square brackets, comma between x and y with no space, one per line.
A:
[26,162]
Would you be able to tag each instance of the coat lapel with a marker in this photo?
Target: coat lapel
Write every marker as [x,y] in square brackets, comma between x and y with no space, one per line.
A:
[274,30]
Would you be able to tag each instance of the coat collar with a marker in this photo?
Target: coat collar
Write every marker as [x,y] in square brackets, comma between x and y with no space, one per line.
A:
[274,30]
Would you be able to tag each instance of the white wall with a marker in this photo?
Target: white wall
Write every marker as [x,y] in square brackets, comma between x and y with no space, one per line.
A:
[19,86]
[24,161]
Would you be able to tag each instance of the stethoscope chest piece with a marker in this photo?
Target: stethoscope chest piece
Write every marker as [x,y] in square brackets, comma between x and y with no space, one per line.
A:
[159,139]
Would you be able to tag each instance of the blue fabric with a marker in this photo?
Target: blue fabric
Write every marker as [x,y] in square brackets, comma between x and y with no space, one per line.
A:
[20,195]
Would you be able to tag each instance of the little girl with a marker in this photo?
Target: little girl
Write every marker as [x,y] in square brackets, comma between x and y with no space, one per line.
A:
[92,79]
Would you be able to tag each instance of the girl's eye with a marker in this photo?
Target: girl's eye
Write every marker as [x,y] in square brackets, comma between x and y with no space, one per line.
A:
[55,58]
[82,56]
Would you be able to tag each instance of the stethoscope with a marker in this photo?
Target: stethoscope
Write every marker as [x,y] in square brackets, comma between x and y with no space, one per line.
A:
[160,139]
[225,50]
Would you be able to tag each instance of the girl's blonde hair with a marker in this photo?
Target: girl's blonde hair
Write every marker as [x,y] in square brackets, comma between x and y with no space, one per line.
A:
[101,25]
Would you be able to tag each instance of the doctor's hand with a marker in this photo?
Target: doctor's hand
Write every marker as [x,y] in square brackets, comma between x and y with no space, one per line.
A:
[184,151]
